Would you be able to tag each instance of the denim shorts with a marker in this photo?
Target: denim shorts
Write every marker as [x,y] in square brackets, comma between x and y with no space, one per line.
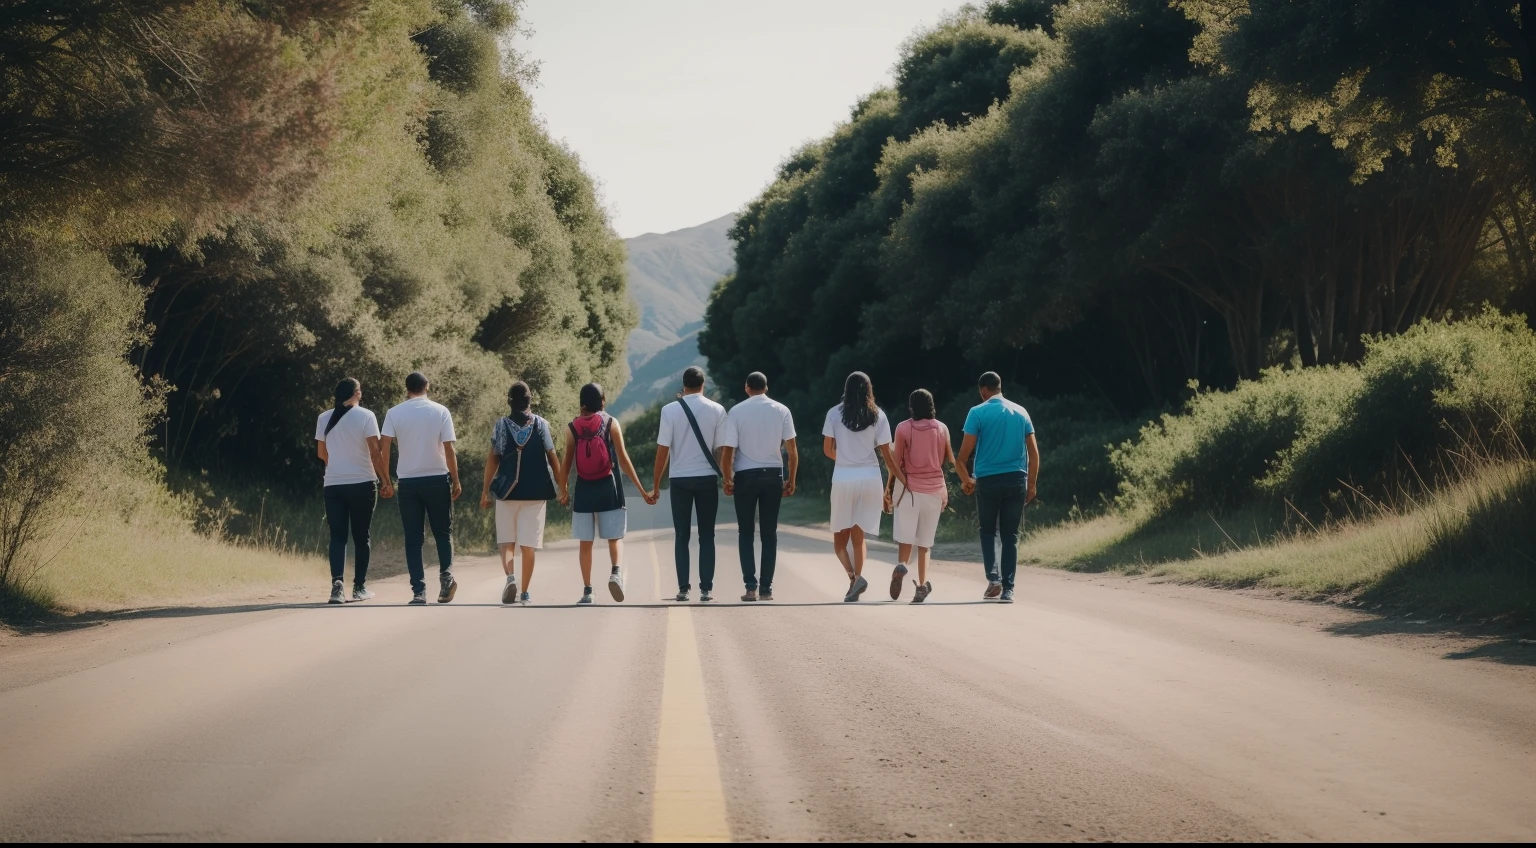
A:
[609,525]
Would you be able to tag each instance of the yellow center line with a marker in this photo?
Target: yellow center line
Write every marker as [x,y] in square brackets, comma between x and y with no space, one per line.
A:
[688,801]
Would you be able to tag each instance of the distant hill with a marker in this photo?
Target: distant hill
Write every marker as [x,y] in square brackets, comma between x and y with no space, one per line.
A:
[670,278]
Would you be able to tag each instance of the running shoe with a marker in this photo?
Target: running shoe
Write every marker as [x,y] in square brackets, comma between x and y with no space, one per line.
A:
[450,587]
[750,596]
[338,592]
[509,591]
[896,579]
[705,597]
[419,597]
[857,589]
[682,596]
[764,594]
[921,593]
[525,599]
[616,585]
[993,590]
[1007,597]
[586,596]
[361,593]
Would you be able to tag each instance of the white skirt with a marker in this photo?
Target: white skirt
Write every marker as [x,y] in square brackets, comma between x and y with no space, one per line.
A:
[917,517]
[858,503]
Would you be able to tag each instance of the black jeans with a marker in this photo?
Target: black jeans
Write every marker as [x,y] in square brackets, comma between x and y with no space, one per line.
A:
[689,493]
[350,507]
[758,491]
[424,499]
[1000,506]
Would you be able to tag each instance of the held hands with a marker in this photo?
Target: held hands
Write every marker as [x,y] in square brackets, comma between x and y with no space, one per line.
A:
[730,487]
[564,497]
[387,490]
[651,497]
[887,504]
[968,485]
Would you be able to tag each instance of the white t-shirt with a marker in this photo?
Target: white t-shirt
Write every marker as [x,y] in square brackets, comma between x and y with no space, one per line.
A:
[420,425]
[346,445]
[857,453]
[757,427]
[686,459]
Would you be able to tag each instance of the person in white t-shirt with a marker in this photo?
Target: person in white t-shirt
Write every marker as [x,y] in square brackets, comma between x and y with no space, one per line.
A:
[694,477]
[347,441]
[759,442]
[429,482]
[855,436]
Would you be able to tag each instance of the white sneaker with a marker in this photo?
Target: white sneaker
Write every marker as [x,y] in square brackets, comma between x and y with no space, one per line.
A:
[509,591]
[361,593]
[616,585]
[338,593]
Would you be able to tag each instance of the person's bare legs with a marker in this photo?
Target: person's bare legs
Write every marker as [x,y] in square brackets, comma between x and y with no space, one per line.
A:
[527,566]
[922,566]
[584,556]
[613,551]
[840,547]
[506,558]
[903,552]
[858,550]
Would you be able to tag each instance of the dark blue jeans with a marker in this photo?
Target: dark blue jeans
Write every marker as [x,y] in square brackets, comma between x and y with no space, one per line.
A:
[349,507]
[759,492]
[423,500]
[1000,506]
[688,494]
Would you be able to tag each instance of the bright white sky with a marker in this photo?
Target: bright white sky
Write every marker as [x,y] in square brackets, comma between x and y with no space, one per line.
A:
[683,109]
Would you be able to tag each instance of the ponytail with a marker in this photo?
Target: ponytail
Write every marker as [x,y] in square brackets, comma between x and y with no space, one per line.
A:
[344,392]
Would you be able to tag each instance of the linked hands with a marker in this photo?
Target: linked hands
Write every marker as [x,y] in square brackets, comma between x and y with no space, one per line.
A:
[565,497]
[386,489]
[730,487]
[651,497]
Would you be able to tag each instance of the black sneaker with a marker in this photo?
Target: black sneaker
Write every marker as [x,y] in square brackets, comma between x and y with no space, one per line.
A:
[896,579]
[586,596]
[857,589]
[922,592]
[419,597]
[1007,597]
[682,596]
[338,593]
[450,587]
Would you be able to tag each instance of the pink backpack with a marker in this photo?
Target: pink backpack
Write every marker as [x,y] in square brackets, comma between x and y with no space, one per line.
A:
[594,457]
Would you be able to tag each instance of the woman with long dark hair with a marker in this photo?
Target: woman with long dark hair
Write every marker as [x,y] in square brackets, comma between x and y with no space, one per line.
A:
[347,441]
[855,435]
[921,448]
[594,444]
[520,474]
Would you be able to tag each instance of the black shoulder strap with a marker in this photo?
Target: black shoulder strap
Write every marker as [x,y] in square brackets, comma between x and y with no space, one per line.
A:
[698,434]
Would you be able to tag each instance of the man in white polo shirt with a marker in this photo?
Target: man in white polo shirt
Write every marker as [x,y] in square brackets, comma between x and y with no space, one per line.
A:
[694,475]
[758,429]
[429,482]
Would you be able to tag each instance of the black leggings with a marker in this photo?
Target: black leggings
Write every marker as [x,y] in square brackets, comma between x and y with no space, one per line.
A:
[350,507]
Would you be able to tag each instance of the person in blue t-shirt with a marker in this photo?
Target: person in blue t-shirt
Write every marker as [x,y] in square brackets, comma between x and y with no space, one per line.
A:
[1002,438]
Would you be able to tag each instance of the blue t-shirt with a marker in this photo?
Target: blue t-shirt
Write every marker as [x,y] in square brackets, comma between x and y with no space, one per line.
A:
[1000,427]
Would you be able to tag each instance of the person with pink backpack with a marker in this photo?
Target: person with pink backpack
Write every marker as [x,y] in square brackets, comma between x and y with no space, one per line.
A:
[922,447]
[594,444]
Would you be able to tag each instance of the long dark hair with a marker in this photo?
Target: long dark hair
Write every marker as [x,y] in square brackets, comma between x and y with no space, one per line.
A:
[520,397]
[592,398]
[920,404]
[859,410]
[344,392]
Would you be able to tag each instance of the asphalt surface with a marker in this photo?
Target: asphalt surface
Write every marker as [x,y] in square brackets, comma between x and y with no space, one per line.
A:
[1092,709]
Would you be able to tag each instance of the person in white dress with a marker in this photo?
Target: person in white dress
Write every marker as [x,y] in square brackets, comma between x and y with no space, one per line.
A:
[856,436]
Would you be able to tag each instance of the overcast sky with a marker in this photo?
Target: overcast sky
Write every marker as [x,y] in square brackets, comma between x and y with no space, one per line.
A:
[682,109]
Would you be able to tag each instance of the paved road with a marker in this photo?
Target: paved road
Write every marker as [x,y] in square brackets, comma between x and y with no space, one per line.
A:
[1092,709]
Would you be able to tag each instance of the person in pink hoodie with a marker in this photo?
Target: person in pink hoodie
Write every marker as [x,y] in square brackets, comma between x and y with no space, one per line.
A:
[922,447]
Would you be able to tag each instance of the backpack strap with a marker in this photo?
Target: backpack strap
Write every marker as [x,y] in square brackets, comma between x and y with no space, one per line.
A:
[699,434]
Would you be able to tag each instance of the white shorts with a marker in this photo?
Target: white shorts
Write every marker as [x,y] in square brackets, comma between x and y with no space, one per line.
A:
[609,525]
[916,518]
[858,502]
[520,523]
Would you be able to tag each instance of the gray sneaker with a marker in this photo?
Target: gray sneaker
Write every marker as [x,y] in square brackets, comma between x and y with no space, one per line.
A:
[361,593]
[525,600]
[922,592]
[857,589]
[509,591]
[750,596]
[586,597]
[1007,597]
[896,579]
[450,587]
[338,592]
[419,597]
[705,597]
[682,596]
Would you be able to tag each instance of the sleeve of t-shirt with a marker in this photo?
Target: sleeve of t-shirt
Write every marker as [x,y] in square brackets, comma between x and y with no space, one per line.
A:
[789,425]
[372,423]
[446,433]
[903,437]
[664,428]
[320,427]
[549,439]
[389,426]
[882,430]
[972,425]
[1029,424]
[829,427]
[728,436]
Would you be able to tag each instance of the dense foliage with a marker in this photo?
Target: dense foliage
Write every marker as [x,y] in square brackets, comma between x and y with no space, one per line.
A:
[1084,198]
[212,210]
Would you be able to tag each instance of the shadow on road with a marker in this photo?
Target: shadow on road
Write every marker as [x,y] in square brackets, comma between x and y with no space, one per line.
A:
[1498,645]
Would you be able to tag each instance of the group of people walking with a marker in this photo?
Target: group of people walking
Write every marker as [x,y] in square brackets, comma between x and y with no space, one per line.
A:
[750,451]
